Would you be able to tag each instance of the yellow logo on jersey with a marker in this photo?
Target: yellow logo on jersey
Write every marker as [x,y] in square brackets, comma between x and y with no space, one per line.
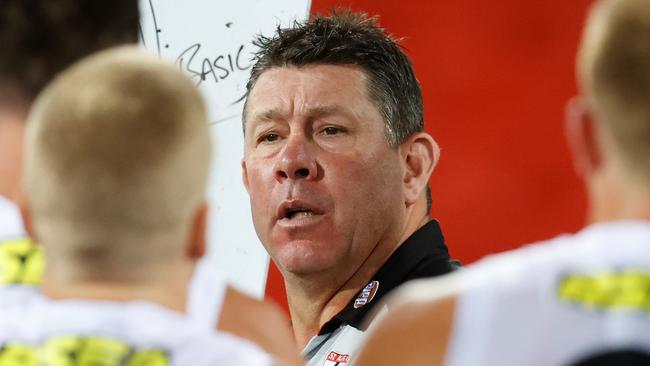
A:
[628,289]
[80,351]
[21,262]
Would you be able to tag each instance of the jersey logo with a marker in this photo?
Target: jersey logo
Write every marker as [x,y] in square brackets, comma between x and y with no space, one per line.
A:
[21,262]
[628,289]
[334,359]
[80,351]
[367,294]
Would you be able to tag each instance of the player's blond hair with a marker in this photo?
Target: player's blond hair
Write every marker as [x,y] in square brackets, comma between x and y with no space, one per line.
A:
[117,160]
[614,74]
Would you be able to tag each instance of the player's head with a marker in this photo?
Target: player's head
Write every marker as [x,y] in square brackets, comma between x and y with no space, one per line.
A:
[39,38]
[614,77]
[117,161]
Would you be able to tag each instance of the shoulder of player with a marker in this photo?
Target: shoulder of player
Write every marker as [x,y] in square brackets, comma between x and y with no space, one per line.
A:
[260,322]
[518,265]
[252,318]
[237,302]
[231,349]
[416,327]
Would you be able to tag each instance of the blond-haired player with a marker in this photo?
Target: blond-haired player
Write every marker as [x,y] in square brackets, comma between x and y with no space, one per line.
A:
[39,39]
[580,299]
[116,164]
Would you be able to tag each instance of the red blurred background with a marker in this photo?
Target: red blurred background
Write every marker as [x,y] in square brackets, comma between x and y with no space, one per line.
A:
[495,76]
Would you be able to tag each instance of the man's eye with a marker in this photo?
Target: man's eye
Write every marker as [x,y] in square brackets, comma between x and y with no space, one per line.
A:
[269,137]
[332,130]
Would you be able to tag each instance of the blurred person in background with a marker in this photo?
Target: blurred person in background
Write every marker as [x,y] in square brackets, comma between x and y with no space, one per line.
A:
[580,299]
[116,165]
[40,38]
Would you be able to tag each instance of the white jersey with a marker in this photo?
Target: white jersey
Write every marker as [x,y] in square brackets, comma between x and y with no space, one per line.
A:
[11,224]
[557,303]
[38,331]
[206,294]
[21,263]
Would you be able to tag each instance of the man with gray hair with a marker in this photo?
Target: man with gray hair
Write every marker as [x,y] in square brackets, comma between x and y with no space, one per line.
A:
[337,165]
[580,299]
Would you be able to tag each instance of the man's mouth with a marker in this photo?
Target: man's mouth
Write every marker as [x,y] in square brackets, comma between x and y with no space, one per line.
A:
[291,210]
[300,212]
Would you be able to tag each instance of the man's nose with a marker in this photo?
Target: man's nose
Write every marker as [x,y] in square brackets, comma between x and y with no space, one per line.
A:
[296,161]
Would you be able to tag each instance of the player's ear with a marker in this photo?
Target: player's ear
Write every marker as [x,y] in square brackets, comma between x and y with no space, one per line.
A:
[197,245]
[420,154]
[581,137]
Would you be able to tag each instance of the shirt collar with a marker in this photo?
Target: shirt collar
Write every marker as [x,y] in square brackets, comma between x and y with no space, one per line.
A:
[423,254]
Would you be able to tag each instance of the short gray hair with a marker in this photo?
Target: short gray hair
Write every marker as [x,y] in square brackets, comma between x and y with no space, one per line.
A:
[346,38]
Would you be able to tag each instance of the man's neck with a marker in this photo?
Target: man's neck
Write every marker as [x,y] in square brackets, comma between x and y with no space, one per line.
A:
[316,300]
[12,130]
[168,288]
[616,194]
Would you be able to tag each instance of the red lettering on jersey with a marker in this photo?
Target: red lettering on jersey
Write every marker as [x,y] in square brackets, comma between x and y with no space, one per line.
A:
[337,357]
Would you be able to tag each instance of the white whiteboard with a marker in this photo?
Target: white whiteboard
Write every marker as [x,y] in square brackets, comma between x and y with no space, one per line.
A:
[212,41]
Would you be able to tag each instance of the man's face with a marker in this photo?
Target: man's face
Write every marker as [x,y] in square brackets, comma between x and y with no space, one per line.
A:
[325,186]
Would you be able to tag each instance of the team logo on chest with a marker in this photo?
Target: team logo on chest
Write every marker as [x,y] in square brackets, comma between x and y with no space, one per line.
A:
[367,294]
[334,359]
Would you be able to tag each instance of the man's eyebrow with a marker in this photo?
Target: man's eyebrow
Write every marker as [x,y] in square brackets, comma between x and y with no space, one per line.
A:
[329,110]
[262,117]
[322,111]
[265,116]
[270,115]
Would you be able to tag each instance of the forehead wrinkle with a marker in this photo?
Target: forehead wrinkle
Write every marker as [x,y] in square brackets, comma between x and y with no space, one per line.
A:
[265,116]
[304,99]
[259,94]
[323,110]
[340,107]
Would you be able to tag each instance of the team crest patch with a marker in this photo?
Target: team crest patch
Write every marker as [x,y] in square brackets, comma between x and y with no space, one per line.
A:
[367,294]
[334,359]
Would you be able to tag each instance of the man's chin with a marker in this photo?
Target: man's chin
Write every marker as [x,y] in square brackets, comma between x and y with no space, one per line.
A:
[302,266]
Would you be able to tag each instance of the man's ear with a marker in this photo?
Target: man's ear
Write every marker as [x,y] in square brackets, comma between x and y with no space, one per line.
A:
[244,174]
[420,153]
[197,245]
[581,137]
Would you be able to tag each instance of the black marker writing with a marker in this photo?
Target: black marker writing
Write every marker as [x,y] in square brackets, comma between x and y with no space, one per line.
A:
[213,69]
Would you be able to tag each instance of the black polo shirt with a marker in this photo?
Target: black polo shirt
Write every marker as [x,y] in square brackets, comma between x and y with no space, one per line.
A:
[423,254]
